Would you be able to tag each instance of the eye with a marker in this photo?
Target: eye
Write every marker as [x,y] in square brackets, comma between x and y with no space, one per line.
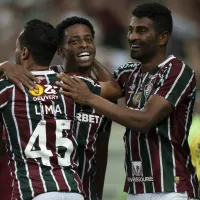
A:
[73,42]
[89,39]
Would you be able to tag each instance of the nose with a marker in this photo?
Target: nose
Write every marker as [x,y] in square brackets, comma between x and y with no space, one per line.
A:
[83,43]
[133,36]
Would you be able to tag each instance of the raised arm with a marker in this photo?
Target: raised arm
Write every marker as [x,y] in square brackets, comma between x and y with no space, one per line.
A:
[18,75]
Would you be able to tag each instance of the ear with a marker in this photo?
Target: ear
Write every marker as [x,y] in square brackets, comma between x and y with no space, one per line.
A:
[25,53]
[164,38]
[60,51]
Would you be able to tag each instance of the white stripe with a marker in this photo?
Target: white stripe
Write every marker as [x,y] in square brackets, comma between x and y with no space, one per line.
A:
[131,156]
[186,87]
[13,156]
[140,159]
[53,104]
[18,137]
[140,81]
[161,165]
[166,61]
[186,123]
[170,66]
[149,153]
[2,105]
[174,84]
[173,158]
[31,131]
[64,176]
[43,72]
[76,181]
[8,87]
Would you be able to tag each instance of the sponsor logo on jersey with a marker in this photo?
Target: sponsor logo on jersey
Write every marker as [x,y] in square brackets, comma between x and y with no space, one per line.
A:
[137,173]
[43,93]
[84,117]
[37,91]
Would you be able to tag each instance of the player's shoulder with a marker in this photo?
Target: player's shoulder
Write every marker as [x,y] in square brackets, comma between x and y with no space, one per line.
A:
[5,83]
[129,66]
[180,65]
[88,80]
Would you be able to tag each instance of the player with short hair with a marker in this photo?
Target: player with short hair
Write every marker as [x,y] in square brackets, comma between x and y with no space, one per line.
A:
[40,123]
[77,48]
[159,92]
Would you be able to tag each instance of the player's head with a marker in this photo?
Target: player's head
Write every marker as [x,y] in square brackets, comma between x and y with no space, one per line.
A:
[149,30]
[38,42]
[76,42]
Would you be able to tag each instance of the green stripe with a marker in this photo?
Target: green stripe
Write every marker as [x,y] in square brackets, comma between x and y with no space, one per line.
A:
[20,163]
[180,85]
[167,160]
[145,162]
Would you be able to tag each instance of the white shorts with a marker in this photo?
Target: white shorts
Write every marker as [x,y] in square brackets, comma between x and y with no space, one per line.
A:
[158,196]
[59,196]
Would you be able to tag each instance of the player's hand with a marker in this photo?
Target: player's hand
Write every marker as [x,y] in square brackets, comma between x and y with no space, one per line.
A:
[74,88]
[19,75]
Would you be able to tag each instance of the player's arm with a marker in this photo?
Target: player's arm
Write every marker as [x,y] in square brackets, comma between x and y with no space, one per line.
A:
[102,156]
[179,82]
[18,75]
[109,87]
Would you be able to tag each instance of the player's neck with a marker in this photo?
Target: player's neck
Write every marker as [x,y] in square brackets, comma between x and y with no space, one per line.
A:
[37,68]
[153,62]
[86,71]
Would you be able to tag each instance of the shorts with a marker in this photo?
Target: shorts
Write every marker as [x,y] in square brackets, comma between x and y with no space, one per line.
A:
[59,196]
[159,196]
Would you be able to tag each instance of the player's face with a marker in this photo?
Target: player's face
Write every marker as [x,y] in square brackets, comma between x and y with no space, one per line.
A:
[79,48]
[142,38]
[18,52]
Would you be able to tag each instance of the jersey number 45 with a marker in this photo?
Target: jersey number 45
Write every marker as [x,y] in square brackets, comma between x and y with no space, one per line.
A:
[45,154]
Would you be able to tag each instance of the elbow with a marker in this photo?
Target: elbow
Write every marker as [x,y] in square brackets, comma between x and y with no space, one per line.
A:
[143,125]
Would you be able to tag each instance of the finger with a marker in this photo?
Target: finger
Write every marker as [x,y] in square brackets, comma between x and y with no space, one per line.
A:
[33,78]
[66,79]
[25,82]
[65,93]
[30,83]
[77,79]
[17,83]
[64,86]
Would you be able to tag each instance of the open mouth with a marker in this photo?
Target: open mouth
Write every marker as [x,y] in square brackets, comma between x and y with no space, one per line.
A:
[84,56]
[135,47]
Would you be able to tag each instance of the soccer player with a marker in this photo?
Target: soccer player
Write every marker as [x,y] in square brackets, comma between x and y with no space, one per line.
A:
[77,37]
[77,47]
[40,123]
[159,92]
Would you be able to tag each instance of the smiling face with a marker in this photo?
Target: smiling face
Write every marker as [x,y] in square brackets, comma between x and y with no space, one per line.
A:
[142,38]
[79,48]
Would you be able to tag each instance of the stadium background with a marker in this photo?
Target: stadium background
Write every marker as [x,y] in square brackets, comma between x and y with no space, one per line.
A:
[110,19]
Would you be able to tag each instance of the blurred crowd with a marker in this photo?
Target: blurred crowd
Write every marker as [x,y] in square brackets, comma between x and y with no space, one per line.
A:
[110,19]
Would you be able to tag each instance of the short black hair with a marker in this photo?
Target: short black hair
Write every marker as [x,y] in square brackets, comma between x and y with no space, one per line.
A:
[72,21]
[159,14]
[41,38]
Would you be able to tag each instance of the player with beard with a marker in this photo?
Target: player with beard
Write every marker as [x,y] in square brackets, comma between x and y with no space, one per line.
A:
[159,92]
[40,123]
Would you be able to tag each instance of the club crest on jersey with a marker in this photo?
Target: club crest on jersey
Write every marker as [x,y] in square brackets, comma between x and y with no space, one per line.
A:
[37,91]
[137,98]
[148,89]
[137,168]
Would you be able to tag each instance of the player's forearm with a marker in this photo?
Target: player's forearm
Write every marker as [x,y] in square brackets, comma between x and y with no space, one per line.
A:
[133,119]
[2,65]
[102,74]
